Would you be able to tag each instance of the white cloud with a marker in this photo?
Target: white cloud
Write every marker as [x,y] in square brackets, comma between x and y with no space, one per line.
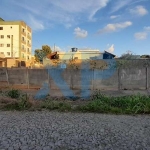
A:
[80,33]
[114,16]
[115,27]
[35,24]
[147,29]
[139,10]
[63,12]
[119,4]
[111,48]
[140,35]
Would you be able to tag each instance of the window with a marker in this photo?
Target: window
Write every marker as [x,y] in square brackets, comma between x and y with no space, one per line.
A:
[2,36]
[22,38]
[22,55]
[1,45]
[11,27]
[8,36]
[8,53]
[22,46]
[23,30]
[1,28]
[28,57]
[2,52]
[8,45]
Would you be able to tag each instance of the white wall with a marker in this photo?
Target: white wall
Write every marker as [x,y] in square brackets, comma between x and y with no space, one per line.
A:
[10,30]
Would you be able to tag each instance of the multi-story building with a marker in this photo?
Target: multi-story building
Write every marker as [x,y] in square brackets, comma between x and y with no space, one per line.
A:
[15,40]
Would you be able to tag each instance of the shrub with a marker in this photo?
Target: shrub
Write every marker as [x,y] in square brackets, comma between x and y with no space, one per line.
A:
[14,93]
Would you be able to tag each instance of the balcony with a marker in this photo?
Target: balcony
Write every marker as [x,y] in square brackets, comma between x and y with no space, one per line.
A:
[29,37]
[28,44]
[23,41]
[23,33]
[23,50]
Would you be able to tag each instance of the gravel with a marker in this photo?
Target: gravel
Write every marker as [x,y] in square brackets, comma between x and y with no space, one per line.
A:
[45,130]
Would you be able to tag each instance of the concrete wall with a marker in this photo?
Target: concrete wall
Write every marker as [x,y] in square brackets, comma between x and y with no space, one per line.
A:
[77,79]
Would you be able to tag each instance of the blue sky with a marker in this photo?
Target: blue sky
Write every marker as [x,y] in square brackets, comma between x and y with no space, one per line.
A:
[114,25]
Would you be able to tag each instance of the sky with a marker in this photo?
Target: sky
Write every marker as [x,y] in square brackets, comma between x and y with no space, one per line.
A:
[117,26]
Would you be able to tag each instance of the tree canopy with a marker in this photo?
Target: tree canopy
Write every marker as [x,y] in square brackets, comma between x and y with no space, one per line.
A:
[41,53]
[129,56]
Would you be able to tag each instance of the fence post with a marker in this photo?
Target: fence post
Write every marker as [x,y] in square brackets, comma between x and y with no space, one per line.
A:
[7,75]
[93,87]
[147,82]
[48,69]
[119,79]
[27,78]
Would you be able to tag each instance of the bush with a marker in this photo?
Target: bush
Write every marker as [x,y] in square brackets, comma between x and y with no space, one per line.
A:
[14,93]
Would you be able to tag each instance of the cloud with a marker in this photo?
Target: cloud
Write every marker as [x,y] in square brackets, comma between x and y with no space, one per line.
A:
[139,11]
[114,27]
[35,24]
[147,29]
[64,12]
[80,33]
[140,35]
[111,48]
[114,16]
[119,4]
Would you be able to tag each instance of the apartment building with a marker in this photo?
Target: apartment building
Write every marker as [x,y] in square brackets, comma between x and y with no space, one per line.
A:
[15,40]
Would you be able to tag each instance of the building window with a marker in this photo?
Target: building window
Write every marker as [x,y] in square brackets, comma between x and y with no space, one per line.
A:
[8,45]
[23,30]
[23,39]
[2,52]
[8,53]
[1,45]
[2,36]
[22,55]
[28,58]
[11,27]
[8,36]
[22,46]
[1,28]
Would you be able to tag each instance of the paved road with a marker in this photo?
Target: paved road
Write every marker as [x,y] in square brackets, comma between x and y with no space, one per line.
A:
[68,131]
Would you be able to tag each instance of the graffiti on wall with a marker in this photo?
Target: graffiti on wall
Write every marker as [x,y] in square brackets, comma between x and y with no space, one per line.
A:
[132,74]
[86,73]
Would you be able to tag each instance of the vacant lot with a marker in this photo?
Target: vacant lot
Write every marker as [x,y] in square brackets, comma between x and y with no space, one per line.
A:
[68,131]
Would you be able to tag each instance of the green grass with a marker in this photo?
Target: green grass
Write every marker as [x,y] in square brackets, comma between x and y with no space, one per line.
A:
[99,103]
[135,104]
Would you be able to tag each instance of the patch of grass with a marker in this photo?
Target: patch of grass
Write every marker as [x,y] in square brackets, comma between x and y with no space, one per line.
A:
[55,105]
[22,103]
[13,93]
[135,104]
[99,103]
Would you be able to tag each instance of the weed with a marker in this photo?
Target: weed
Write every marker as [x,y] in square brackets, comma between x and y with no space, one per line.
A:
[14,93]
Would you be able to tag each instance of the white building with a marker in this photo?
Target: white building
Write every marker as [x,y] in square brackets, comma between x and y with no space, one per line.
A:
[15,40]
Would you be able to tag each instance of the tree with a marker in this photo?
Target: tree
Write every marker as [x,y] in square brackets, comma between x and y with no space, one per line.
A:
[41,53]
[145,56]
[129,55]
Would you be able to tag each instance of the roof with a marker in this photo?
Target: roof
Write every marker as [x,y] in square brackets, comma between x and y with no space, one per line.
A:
[2,19]
[109,53]
[51,55]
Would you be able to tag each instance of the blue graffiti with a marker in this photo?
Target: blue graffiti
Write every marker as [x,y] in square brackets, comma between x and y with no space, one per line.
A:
[87,75]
